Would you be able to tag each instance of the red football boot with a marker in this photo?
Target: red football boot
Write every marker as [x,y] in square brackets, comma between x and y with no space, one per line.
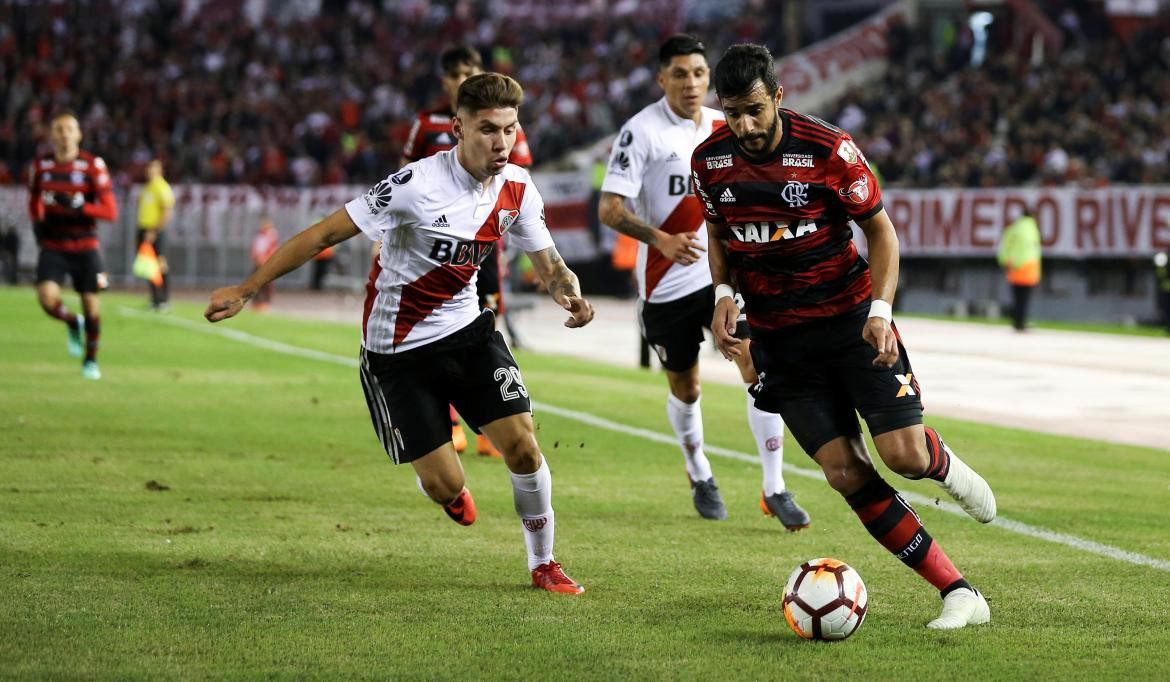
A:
[550,577]
[462,510]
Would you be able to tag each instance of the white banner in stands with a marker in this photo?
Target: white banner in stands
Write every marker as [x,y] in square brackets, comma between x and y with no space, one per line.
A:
[1074,223]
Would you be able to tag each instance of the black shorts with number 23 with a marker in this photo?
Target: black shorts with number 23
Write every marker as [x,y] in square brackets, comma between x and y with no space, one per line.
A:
[408,392]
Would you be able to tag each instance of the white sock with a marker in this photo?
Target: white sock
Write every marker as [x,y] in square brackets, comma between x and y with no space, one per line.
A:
[768,430]
[532,494]
[687,421]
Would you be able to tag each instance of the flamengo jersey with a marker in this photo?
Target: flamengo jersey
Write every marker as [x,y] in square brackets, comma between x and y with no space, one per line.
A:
[54,188]
[789,243]
[650,164]
[437,224]
[434,131]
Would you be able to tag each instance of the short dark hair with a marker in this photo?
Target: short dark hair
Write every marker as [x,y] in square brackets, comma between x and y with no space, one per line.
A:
[457,55]
[741,66]
[489,91]
[678,45]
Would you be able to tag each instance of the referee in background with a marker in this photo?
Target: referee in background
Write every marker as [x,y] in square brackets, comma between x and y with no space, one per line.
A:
[154,212]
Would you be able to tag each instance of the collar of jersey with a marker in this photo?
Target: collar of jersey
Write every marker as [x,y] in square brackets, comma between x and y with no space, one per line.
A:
[465,178]
[675,119]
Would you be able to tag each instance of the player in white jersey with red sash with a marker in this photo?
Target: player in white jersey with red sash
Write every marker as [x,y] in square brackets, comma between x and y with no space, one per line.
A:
[425,342]
[649,165]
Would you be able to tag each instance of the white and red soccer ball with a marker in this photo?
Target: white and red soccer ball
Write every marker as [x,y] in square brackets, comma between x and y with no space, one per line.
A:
[825,599]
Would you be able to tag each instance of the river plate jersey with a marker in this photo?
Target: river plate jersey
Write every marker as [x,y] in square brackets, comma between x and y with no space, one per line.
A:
[437,224]
[790,245]
[650,163]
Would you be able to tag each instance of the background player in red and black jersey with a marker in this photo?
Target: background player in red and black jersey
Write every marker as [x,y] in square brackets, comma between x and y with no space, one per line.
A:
[433,132]
[69,191]
[779,190]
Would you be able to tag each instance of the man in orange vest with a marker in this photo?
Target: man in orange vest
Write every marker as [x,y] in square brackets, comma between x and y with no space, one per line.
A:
[1019,256]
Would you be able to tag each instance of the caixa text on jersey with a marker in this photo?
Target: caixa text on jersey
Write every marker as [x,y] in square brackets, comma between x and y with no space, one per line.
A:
[758,233]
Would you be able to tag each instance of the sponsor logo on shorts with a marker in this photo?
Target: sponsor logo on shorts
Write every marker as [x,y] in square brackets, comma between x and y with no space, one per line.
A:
[907,387]
[534,525]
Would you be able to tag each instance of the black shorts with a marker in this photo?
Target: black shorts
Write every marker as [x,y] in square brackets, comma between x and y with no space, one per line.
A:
[408,393]
[83,267]
[160,239]
[674,329]
[819,375]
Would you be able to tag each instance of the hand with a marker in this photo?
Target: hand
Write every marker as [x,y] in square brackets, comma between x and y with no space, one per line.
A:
[879,334]
[70,200]
[579,308]
[723,327]
[682,248]
[225,303]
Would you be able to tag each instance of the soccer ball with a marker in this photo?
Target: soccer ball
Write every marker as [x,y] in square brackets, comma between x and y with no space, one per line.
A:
[825,599]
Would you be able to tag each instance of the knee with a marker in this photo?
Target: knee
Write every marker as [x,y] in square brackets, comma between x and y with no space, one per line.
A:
[522,452]
[846,480]
[47,305]
[442,486]
[688,392]
[906,461]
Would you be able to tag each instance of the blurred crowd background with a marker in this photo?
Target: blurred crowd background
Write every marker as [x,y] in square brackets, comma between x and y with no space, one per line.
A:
[327,96]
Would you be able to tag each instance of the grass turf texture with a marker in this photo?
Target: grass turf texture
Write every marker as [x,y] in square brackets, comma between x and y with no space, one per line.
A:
[285,545]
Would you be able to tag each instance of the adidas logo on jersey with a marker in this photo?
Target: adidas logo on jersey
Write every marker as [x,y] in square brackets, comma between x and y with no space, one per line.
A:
[673,157]
[441,221]
[727,197]
[761,233]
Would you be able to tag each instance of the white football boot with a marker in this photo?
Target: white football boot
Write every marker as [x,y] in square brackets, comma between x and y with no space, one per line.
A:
[969,489]
[961,608]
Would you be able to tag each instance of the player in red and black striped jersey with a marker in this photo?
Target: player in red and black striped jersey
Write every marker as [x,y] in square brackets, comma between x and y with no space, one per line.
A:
[779,191]
[433,132]
[69,191]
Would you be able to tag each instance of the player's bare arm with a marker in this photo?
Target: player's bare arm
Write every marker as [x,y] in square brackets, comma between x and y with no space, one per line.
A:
[726,311]
[681,248]
[227,301]
[562,285]
[883,265]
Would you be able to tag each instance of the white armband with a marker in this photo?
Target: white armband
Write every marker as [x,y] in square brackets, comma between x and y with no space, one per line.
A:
[723,291]
[882,309]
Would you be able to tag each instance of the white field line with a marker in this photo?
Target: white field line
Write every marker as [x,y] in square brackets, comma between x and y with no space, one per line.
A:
[922,501]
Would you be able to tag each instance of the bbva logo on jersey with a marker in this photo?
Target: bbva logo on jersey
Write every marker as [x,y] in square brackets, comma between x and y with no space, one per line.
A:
[761,233]
[460,252]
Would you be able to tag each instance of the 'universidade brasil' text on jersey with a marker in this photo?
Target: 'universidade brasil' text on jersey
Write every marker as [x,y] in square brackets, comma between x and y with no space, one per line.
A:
[437,224]
[790,245]
[650,163]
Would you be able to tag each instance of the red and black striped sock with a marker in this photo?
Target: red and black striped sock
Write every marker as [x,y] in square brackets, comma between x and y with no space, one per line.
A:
[62,312]
[93,332]
[940,459]
[893,523]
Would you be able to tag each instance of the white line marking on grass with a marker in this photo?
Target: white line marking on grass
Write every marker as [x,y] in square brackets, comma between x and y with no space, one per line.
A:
[923,501]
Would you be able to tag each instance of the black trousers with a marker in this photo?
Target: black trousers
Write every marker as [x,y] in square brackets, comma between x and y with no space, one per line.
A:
[1020,298]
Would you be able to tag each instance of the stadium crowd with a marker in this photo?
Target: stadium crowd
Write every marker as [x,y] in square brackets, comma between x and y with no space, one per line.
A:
[1096,115]
[322,99]
[329,98]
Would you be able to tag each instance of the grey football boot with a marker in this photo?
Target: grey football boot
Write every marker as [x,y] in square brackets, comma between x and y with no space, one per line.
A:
[784,507]
[708,502]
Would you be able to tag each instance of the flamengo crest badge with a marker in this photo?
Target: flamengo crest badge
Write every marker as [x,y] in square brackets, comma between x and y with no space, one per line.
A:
[506,217]
[795,193]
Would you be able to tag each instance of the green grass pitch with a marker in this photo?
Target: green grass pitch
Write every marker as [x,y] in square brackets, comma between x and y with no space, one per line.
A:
[211,509]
